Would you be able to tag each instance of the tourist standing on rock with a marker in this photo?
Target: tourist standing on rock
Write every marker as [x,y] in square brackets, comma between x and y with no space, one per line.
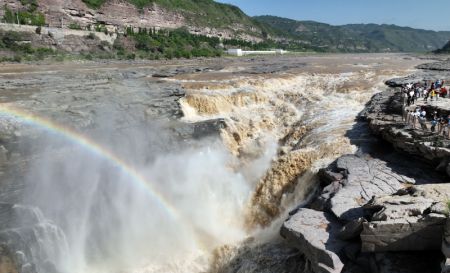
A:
[418,91]
[441,124]
[434,121]
[444,92]
[423,119]
[435,115]
[406,98]
[409,96]
[432,94]
[425,95]
[415,116]
[447,127]
[412,96]
[410,118]
[405,113]
[423,113]
[438,84]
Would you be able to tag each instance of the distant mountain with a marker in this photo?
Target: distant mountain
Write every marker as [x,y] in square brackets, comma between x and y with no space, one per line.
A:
[212,19]
[444,50]
[357,37]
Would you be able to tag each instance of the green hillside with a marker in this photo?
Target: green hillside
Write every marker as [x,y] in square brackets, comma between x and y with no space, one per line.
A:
[204,13]
[358,37]
[300,34]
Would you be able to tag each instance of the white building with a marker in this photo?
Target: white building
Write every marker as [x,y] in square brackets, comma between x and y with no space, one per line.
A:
[235,52]
[240,52]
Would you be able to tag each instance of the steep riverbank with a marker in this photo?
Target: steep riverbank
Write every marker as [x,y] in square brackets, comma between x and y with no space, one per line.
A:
[385,208]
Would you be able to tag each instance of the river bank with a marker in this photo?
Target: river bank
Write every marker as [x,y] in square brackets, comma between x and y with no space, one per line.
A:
[385,208]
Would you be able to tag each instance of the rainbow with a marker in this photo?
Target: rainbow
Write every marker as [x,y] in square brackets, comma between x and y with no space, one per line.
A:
[91,146]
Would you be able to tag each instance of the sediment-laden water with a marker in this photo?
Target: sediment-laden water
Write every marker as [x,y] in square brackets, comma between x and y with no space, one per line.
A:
[113,170]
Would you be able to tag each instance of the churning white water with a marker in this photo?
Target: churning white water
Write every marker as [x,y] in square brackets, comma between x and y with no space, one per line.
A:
[113,223]
[195,197]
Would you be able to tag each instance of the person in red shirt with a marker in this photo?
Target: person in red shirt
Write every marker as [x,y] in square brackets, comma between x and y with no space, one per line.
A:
[444,92]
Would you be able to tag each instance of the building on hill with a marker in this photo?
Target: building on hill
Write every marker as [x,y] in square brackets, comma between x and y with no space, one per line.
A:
[240,52]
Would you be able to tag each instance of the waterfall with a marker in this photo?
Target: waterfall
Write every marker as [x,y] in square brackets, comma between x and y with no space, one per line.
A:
[142,199]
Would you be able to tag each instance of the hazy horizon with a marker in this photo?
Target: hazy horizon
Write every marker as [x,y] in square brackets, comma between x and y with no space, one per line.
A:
[407,13]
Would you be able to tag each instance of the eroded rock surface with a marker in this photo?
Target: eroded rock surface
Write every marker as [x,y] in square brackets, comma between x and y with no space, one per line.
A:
[441,66]
[384,114]
[410,220]
[314,234]
[375,202]
[266,258]
[363,178]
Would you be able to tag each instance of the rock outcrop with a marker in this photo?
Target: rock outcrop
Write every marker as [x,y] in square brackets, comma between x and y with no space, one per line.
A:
[314,234]
[365,178]
[367,209]
[266,258]
[385,118]
[354,180]
[410,220]
[441,66]
[381,214]
[421,75]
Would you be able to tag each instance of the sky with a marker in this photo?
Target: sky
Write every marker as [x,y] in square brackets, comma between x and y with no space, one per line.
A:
[424,14]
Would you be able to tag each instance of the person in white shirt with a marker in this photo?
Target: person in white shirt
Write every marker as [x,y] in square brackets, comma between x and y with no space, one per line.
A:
[420,90]
[425,95]
[414,116]
[423,119]
[412,96]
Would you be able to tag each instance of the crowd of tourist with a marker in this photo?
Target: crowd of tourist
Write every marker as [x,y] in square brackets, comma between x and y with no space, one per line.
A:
[426,90]
[417,117]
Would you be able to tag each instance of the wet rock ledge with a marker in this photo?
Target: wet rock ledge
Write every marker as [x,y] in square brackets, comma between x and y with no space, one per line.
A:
[384,211]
